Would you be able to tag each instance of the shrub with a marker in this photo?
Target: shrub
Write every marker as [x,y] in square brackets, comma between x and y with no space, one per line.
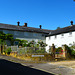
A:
[40,51]
[58,50]
[69,50]
[73,53]
[8,50]
[35,50]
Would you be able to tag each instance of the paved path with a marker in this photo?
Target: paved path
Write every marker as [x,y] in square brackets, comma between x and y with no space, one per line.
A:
[60,70]
[47,67]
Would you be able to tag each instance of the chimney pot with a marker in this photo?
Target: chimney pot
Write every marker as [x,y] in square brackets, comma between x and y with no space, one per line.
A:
[25,24]
[71,22]
[40,26]
[18,23]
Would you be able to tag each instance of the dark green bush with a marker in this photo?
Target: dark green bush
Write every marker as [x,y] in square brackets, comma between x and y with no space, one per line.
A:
[69,50]
[73,53]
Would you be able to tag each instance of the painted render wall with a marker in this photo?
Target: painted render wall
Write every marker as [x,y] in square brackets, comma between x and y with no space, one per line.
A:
[60,40]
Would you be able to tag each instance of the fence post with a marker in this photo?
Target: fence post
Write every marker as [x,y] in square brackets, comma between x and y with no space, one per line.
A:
[17,49]
[25,49]
[64,51]
[53,51]
[0,48]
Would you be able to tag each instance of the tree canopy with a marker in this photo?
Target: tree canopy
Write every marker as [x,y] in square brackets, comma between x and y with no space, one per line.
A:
[4,37]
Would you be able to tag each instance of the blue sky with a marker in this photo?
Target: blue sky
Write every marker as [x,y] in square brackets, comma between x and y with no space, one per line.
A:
[48,13]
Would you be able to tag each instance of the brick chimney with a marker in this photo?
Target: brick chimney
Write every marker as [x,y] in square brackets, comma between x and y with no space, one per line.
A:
[18,23]
[40,26]
[71,22]
[25,25]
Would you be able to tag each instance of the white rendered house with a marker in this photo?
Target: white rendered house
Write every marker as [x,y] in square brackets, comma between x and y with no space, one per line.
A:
[61,36]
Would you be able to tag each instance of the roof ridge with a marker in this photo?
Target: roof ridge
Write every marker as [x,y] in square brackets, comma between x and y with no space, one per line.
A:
[21,28]
[64,27]
[25,27]
[63,30]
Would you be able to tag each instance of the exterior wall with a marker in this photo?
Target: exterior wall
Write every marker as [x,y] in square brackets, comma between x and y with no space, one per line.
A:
[26,35]
[60,40]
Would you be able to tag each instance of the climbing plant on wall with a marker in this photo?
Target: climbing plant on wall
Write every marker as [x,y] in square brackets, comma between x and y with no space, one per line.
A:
[4,37]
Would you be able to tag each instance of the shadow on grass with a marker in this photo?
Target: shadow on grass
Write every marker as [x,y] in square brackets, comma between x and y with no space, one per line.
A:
[11,68]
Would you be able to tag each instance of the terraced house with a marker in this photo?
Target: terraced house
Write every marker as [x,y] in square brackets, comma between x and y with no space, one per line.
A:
[61,36]
[58,37]
[24,32]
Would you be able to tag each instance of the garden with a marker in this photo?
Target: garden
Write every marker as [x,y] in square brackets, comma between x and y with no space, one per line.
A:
[31,47]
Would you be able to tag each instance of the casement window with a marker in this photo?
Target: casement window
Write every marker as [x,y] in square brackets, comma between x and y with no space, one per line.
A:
[16,32]
[6,31]
[62,34]
[70,33]
[49,37]
[55,36]
[26,33]
[35,34]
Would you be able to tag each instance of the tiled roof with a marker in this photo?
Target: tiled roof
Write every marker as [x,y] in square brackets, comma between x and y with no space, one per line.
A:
[21,28]
[62,30]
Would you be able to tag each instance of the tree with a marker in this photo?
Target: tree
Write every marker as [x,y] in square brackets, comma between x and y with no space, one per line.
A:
[73,45]
[4,37]
[69,50]
[10,38]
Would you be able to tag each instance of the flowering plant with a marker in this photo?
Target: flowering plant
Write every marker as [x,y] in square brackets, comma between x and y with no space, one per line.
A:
[59,50]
